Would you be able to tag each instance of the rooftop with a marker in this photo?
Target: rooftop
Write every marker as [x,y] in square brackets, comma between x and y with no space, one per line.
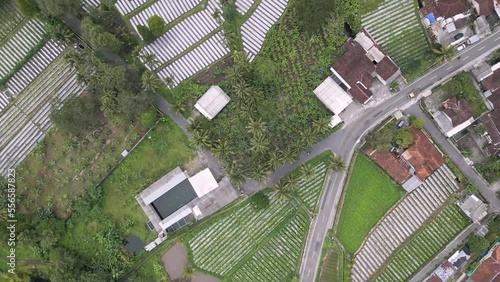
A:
[492,123]
[444,8]
[459,111]
[391,164]
[489,270]
[492,82]
[333,96]
[386,68]
[212,102]
[483,7]
[423,155]
[474,208]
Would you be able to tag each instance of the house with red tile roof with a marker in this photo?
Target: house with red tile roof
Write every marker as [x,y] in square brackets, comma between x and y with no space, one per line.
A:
[414,165]
[444,8]
[455,117]
[489,269]
[491,83]
[483,7]
[422,155]
[362,62]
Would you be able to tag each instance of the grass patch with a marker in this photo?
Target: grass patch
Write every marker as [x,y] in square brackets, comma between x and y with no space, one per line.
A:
[369,194]
[462,87]
[332,262]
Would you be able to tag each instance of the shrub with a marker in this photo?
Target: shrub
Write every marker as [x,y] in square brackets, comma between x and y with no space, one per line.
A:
[403,138]
[156,25]
[477,245]
[77,115]
[29,8]
[418,123]
[146,34]
[260,201]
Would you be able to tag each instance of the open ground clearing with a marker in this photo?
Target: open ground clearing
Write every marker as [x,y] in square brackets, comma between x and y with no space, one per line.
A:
[369,194]
[424,245]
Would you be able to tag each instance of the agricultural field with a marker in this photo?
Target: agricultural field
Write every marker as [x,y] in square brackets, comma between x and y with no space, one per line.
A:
[310,187]
[424,246]
[243,242]
[369,194]
[395,26]
[332,266]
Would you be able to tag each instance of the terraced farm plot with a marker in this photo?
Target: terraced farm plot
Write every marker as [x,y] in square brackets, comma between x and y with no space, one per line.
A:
[222,244]
[278,259]
[424,245]
[309,190]
[396,27]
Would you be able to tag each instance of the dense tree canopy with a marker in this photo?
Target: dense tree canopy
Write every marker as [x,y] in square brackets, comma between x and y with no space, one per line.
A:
[29,8]
[58,8]
[98,37]
[146,34]
[312,14]
[77,115]
[403,138]
[477,244]
[156,25]
[418,123]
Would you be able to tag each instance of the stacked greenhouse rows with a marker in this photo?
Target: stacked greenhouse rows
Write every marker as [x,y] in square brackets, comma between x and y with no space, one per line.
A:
[128,6]
[403,38]
[309,190]
[23,126]
[401,222]
[88,4]
[20,44]
[39,62]
[194,61]
[244,5]
[278,258]
[425,245]
[168,10]
[184,34]
[9,18]
[253,31]
[221,245]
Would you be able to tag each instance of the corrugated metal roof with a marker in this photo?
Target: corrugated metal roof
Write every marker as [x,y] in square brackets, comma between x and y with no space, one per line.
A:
[333,96]
[212,102]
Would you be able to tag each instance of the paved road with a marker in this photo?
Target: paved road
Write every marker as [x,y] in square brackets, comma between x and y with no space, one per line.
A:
[456,157]
[342,143]
[445,253]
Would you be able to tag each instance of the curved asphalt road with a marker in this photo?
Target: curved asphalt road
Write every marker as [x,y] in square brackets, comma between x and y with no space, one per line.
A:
[344,141]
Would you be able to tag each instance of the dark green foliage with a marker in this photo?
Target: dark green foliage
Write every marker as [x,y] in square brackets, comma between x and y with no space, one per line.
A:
[382,139]
[59,32]
[312,14]
[403,138]
[260,201]
[29,8]
[146,34]
[77,115]
[156,25]
[477,245]
[490,169]
[58,8]
[99,37]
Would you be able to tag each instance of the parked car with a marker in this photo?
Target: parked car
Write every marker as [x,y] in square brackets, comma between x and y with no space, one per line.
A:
[400,124]
[460,47]
[458,36]
[411,95]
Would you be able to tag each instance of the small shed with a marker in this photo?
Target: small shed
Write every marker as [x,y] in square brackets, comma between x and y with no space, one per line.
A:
[212,102]
[474,208]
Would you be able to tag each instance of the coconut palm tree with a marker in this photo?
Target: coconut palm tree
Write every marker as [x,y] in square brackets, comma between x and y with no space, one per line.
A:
[259,173]
[217,15]
[276,159]
[259,144]
[308,138]
[241,90]
[336,163]
[307,171]
[196,123]
[178,107]
[150,82]
[321,125]
[444,54]
[169,81]
[200,139]
[285,187]
[60,33]
[289,155]
[222,149]
[150,60]
[234,75]
[256,127]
